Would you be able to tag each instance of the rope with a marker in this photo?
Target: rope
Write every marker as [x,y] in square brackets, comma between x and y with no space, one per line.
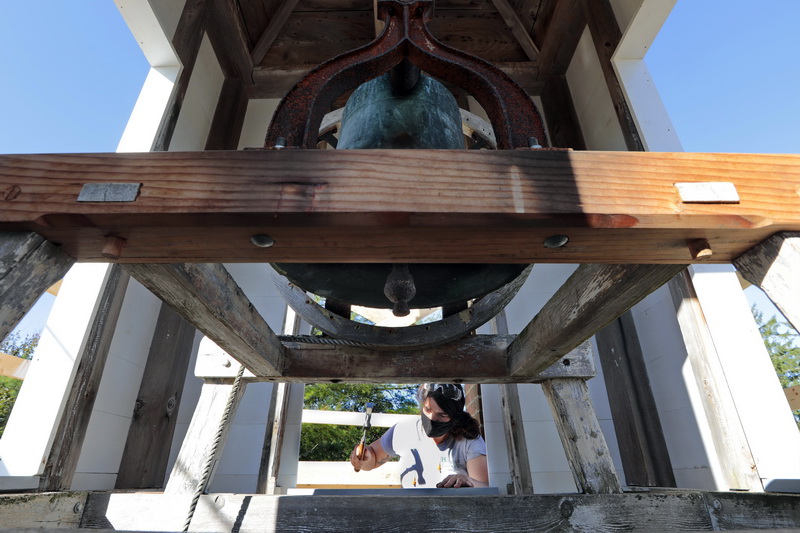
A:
[316,339]
[212,453]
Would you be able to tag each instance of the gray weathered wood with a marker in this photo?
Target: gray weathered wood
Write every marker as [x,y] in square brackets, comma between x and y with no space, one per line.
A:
[68,440]
[198,444]
[209,298]
[415,511]
[144,460]
[738,467]
[773,266]
[268,482]
[186,41]
[583,440]
[591,298]
[643,449]
[262,482]
[516,442]
[41,511]
[29,265]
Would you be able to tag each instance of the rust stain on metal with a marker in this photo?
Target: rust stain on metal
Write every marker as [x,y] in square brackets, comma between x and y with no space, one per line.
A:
[513,115]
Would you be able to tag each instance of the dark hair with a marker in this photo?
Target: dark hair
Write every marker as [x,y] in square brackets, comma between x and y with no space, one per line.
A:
[466,426]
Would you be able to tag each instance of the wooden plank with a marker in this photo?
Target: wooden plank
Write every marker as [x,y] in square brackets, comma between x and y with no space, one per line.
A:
[13,367]
[41,511]
[518,28]
[275,81]
[640,511]
[587,452]
[643,449]
[255,17]
[263,480]
[187,39]
[558,45]
[404,204]
[271,457]
[229,39]
[28,266]
[205,438]
[209,298]
[563,125]
[516,443]
[276,24]
[772,265]
[474,359]
[606,36]
[226,126]
[71,432]
[591,298]
[738,467]
[146,453]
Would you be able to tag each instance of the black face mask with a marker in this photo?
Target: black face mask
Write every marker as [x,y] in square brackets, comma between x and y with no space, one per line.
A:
[434,428]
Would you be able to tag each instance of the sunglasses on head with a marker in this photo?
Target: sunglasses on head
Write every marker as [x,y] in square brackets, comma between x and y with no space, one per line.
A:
[448,390]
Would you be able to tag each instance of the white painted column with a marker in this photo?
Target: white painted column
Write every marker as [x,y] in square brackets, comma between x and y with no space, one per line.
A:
[28,436]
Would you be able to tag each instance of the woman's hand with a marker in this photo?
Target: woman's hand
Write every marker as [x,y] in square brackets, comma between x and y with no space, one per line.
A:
[367,462]
[456,481]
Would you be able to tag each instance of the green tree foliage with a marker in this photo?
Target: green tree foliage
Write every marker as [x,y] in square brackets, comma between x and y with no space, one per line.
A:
[328,442]
[781,341]
[18,346]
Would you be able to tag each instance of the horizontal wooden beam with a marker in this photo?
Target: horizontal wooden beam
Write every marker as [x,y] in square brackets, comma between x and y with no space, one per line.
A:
[417,509]
[590,299]
[275,82]
[476,359]
[402,205]
[209,298]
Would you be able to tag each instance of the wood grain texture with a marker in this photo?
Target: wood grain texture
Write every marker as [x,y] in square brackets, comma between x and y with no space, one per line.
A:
[65,451]
[226,126]
[591,298]
[277,21]
[41,511]
[229,38]
[29,265]
[587,452]
[209,298]
[641,511]
[773,266]
[518,28]
[516,443]
[643,449]
[198,443]
[738,467]
[559,38]
[616,207]
[147,448]
[475,359]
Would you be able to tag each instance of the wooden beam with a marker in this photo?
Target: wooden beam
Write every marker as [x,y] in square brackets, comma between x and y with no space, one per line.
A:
[772,265]
[209,298]
[591,298]
[563,125]
[28,266]
[516,443]
[276,24]
[71,432]
[271,458]
[643,449]
[229,38]
[687,510]
[737,466]
[205,438]
[187,39]
[606,36]
[59,510]
[561,39]
[513,21]
[403,205]
[275,81]
[147,448]
[226,126]
[587,452]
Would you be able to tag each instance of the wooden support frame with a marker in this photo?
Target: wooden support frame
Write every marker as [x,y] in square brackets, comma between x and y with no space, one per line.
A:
[209,298]
[29,265]
[69,436]
[403,204]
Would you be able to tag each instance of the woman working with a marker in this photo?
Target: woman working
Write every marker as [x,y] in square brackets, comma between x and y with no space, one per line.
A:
[442,448]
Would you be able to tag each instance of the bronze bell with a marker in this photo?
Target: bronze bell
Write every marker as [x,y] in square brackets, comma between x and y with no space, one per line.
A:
[402,109]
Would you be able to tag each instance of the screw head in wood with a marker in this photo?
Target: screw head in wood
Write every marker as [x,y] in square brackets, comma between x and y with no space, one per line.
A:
[262,240]
[556,241]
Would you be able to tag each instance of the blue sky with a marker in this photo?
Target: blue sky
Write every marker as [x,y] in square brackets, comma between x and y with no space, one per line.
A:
[727,70]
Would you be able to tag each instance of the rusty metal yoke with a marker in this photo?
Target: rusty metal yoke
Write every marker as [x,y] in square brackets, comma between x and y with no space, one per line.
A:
[511,111]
